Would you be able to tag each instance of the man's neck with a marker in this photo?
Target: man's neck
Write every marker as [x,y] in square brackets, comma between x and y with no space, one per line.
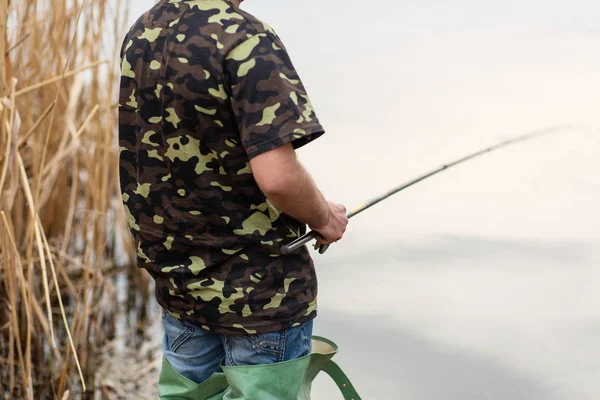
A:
[236,2]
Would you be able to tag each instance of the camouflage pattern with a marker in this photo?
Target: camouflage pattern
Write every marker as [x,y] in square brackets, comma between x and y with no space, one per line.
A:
[205,87]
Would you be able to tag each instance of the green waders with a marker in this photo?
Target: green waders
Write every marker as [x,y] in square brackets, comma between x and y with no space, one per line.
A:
[290,380]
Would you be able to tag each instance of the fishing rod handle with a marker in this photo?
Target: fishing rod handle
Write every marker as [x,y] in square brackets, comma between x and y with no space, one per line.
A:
[301,241]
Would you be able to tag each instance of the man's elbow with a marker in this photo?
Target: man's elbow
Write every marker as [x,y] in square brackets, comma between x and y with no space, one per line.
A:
[275,185]
[276,171]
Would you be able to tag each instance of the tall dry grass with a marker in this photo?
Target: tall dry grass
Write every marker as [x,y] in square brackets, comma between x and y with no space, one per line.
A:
[62,239]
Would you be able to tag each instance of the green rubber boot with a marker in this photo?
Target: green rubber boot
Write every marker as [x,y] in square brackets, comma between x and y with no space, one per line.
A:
[290,380]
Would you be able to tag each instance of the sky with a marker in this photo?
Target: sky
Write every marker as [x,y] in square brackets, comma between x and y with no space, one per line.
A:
[479,283]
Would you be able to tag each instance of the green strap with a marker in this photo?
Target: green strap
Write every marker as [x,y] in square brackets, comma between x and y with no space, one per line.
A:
[341,380]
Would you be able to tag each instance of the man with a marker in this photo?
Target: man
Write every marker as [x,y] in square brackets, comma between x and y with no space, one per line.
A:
[211,110]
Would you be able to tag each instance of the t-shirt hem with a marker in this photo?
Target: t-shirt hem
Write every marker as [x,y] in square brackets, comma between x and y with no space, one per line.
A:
[258,329]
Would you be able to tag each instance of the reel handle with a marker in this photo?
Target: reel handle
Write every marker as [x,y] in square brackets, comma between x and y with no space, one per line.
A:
[301,241]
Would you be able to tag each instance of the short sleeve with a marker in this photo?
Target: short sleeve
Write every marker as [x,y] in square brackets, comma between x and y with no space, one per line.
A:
[269,102]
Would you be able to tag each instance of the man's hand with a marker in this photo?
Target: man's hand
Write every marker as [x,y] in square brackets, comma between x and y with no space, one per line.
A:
[291,189]
[336,224]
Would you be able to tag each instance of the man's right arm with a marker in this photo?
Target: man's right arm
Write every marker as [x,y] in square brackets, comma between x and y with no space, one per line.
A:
[291,189]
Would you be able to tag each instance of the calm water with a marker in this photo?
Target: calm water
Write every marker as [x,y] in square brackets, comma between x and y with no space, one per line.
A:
[463,318]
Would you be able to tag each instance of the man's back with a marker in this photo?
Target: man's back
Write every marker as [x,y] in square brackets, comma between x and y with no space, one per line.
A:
[205,88]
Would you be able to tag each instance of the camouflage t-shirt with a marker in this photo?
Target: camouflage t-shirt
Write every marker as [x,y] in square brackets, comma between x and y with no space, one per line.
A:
[205,87]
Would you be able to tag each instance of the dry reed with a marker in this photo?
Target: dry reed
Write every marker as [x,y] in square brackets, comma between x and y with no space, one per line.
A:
[63,243]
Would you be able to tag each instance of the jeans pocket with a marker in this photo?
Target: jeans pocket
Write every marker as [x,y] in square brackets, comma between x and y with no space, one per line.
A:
[176,332]
[266,348]
[273,342]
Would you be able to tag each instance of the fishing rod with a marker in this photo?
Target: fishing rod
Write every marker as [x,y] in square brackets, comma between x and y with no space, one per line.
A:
[303,240]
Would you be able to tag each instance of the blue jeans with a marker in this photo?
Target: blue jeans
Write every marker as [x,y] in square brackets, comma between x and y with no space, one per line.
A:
[196,353]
